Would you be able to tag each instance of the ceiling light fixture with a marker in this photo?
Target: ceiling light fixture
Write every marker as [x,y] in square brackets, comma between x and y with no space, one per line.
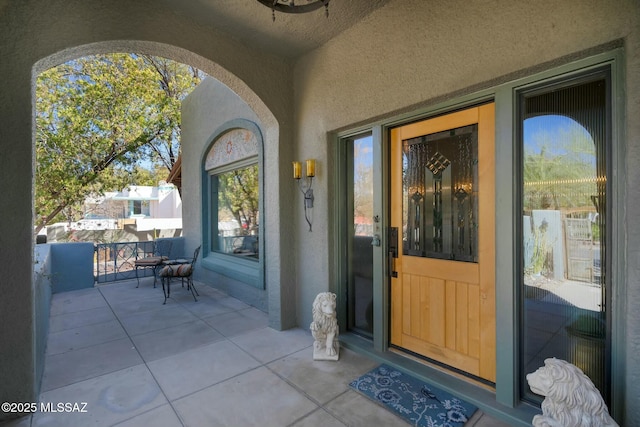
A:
[289,6]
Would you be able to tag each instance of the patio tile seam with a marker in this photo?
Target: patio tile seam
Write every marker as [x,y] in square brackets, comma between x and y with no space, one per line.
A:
[145,412]
[141,311]
[169,401]
[317,408]
[178,323]
[323,409]
[146,365]
[301,391]
[141,299]
[74,312]
[63,313]
[125,329]
[47,354]
[81,326]
[90,377]
[266,362]
[228,335]
[200,346]
[191,393]
[260,364]
[144,362]
[204,317]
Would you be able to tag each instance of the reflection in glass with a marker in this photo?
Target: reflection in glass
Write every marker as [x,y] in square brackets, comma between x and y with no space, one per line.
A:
[238,211]
[360,286]
[440,181]
[564,139]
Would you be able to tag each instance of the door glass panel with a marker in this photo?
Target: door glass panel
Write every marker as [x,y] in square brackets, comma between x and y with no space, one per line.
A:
[564,133]
[360,286]
[440,192]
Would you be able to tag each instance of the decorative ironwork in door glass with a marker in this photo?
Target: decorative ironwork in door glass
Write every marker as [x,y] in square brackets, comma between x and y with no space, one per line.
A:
[440,195]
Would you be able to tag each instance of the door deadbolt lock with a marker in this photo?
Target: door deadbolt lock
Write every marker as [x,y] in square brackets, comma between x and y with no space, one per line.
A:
[376,240]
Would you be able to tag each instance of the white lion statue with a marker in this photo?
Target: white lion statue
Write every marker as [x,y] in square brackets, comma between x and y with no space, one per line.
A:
[324,327]
[571,399]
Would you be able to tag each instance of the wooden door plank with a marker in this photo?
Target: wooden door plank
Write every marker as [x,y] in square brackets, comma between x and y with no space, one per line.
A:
[450,316]
[415,325]
[406,303]
[437,299]
[424,309]
[474,321]
[396,311]
[462,319]
[486,237]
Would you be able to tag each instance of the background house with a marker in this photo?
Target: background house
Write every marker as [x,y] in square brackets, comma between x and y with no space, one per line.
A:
[136,211]
[162,201]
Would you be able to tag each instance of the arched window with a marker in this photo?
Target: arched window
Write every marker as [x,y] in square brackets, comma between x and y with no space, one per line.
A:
[233,196]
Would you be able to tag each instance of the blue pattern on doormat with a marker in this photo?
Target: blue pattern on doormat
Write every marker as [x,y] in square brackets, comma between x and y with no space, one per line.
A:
[416,401]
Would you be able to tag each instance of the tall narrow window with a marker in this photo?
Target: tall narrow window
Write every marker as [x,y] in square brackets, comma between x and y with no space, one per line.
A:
[564,145]
[232,163]
[361,224]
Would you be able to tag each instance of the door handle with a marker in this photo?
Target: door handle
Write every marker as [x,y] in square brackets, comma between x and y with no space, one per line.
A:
[393,251]
[392,265]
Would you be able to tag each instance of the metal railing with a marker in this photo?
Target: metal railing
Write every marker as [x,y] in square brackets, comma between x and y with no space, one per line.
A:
[116,261]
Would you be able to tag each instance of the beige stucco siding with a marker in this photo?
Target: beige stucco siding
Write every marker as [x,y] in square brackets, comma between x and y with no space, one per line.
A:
[414,53]
[405,55]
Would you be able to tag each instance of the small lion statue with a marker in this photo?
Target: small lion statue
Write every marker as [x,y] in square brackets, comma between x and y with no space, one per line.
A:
[324,327]
[571,399]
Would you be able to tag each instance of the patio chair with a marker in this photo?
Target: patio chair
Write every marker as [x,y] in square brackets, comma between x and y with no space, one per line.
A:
[183,270]
[161,250]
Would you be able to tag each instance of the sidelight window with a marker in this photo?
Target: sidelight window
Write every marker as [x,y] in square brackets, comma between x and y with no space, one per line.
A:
[564,149]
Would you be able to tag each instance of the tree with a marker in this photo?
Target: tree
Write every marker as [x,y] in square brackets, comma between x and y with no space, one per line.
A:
[363,186]
[559,169]
[238,194]
[97,119]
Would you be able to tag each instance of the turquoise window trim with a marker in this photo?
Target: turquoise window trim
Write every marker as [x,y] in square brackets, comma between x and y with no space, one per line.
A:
[241,269]
[503,93]
[248,271]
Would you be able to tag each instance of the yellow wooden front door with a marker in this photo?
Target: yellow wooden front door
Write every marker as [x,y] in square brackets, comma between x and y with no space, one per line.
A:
[442,206]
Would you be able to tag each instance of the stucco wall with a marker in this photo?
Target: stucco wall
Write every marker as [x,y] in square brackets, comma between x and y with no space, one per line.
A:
[413,53]
[404,54]
[35,35]
[207,113]
[43,289]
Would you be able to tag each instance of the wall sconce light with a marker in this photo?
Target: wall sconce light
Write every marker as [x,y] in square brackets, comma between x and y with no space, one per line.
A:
[305,185]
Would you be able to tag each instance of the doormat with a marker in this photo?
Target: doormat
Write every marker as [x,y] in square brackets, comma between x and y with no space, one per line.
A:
[417,402]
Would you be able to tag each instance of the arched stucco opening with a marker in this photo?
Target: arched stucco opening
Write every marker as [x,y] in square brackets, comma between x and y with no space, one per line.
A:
[267,122]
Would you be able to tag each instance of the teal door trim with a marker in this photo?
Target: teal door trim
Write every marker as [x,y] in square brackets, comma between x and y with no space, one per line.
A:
[506,402]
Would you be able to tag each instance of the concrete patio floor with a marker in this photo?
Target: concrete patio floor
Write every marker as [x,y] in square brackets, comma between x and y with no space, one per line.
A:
[215,362]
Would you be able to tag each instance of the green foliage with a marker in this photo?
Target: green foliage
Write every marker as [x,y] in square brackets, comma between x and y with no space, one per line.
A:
[238,196]
[541,250]
[362,179]
[559,170]
[97,119]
